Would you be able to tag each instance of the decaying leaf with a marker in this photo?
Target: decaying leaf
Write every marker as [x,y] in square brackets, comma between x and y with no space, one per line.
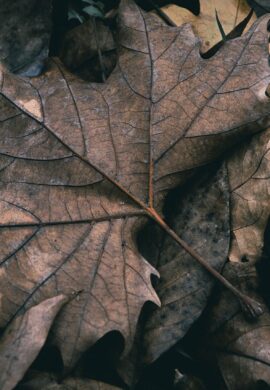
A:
[83,165]
[230,13]
[25,35]
[184,286]
[249,169]
[44,381]
[24,338]
[48,381]
[242,347]
[81,384]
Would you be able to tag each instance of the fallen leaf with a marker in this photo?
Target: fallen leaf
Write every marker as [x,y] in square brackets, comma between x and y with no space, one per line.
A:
[249,183]
[48,381]
[83,165]
[25,35]
[24,338]
[242,347]
[230,14]
[184,287]
[81,384]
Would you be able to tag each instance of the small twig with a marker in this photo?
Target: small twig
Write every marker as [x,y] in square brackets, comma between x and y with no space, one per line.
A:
[100,57]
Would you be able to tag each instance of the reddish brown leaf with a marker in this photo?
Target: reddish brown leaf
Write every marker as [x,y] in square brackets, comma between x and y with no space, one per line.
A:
[83,164]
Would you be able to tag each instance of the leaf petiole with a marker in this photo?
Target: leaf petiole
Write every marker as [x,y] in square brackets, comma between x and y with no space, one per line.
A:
[251,308]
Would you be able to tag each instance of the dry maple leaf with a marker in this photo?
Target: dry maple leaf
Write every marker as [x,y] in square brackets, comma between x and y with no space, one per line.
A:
[83,164]
[205,25]
[249,181]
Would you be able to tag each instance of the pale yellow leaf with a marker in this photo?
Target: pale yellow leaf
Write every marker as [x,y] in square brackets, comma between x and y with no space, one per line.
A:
[230,13]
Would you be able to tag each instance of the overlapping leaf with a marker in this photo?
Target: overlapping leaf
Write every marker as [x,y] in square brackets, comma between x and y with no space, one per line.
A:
[249,182]
[83,164]
[48,382]
[25,34]
[230,13]
[24,339]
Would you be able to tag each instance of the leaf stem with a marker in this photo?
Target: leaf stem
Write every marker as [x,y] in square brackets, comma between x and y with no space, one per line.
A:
[250,307]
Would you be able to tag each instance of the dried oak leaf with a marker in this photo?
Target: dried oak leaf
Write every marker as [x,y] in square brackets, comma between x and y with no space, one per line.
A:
[205,24]
[83,165]
[24,338]
[242,347]
[249,181]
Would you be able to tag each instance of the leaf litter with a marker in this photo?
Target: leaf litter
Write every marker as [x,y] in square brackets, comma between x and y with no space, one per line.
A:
[48,150]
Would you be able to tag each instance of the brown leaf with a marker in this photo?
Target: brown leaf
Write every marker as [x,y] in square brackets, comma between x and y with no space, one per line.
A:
[242,347]
[24,338]
[83,165]
[249,182]
[46,381]
[23,44]
[205,25]
[81,384]
[184,287]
